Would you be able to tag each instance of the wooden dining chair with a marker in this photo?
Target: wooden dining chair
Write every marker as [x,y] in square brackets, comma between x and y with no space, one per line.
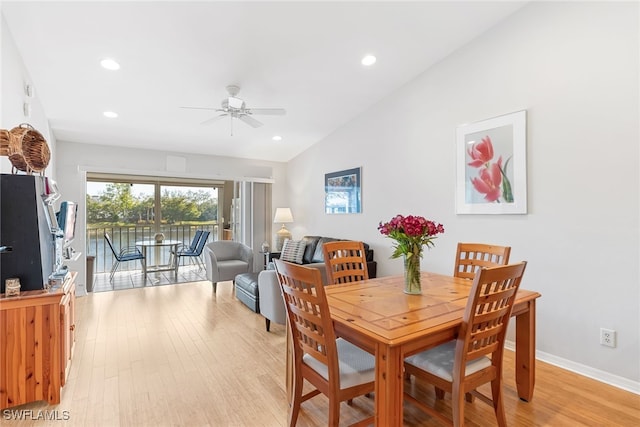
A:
[472,256]
[335,367]
[345,261]
[475,357]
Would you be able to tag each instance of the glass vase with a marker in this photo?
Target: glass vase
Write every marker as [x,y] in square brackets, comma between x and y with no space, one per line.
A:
[412,283]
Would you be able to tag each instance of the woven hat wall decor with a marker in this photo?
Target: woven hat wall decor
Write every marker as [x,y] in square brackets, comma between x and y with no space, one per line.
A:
[26,148]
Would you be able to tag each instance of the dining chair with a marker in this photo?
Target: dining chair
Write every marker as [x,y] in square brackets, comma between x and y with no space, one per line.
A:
[129,253]
[194,250]
[335,367]
[345,261]
[472,256]
[475,357]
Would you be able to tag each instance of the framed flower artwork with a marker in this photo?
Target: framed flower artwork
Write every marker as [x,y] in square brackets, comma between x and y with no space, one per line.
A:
[491,173]
[343,192]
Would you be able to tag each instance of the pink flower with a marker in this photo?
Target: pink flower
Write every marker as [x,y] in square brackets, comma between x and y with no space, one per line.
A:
[481,152]
[488,182]
[410,233]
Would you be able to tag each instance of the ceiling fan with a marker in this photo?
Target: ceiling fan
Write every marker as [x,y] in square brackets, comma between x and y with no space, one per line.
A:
[236,108]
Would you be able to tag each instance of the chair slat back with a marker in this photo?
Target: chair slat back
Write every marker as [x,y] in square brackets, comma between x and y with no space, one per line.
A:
[472,256]
[345,261]
[107,237]
[195,241]
[486,317]
[308,313]
[203,241]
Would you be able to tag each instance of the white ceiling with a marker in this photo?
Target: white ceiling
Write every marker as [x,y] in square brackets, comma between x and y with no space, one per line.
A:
[301,56]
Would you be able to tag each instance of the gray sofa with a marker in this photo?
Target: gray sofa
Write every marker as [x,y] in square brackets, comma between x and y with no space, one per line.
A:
[313,257]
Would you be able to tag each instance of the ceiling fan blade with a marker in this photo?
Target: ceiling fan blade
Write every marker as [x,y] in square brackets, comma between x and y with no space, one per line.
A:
[249,120]
[200,108]
[213,119]
[267,111]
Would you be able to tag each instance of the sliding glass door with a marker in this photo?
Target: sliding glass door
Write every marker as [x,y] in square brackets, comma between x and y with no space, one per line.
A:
[131,209]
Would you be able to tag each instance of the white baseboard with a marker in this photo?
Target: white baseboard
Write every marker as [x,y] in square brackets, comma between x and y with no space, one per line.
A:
[587,371]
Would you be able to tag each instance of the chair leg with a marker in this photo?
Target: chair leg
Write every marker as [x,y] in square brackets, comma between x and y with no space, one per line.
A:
[334,412]
[296,397]
[457,405]
[267,323]
[498,405]
[113,270]
[215,286]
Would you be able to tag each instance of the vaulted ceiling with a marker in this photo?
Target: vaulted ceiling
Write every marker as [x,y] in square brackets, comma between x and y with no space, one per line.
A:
[300,56]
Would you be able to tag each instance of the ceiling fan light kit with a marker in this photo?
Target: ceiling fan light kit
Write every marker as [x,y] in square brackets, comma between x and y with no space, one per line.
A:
[234,102]
[235,108]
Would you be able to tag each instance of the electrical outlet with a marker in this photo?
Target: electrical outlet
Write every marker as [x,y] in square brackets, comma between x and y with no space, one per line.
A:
[607,337]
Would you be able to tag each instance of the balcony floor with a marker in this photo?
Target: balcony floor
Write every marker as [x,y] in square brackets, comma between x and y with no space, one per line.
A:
[134,279]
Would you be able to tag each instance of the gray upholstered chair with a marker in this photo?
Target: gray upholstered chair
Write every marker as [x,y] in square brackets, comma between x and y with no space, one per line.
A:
[271,302]
[225,259]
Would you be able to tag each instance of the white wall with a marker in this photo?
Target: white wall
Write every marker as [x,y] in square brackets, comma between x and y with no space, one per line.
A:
[75,160]
[574,68]
[14,76]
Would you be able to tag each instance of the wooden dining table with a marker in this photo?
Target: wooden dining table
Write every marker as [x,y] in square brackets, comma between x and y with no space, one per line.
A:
[378,316]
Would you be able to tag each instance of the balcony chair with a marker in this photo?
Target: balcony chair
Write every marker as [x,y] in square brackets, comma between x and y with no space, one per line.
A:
[475,357]
[335,367]
[472,256]
[225,259]
[345,261]
[194,250]
[129,253]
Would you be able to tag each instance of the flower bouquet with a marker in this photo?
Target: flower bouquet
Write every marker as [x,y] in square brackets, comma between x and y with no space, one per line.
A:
[411,233]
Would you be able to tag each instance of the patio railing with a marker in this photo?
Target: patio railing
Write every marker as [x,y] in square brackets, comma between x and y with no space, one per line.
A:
[128,236]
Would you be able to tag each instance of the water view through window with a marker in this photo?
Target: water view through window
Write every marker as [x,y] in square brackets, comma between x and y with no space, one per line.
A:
[132,211]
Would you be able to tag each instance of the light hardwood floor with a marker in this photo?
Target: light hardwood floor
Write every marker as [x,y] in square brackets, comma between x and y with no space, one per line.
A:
[181,355]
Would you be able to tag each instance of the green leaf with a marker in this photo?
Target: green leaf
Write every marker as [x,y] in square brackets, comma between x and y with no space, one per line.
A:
[507,192]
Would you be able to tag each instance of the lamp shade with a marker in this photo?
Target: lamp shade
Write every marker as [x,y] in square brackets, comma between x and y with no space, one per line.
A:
[283,215]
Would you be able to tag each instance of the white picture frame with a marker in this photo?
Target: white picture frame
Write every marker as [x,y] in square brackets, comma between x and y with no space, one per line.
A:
[488,150]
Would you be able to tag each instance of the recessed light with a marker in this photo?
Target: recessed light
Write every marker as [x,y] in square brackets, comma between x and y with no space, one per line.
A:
[368,60]
[277,138]
[110,64]
[110,114]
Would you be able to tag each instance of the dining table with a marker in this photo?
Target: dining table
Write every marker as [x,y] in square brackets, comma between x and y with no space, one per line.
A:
[378,316]
[166,243]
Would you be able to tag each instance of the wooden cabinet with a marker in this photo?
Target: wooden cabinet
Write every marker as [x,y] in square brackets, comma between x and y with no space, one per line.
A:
[37,334]
[67,332]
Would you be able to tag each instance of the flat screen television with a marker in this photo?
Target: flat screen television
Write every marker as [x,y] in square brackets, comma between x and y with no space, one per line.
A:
[67,221]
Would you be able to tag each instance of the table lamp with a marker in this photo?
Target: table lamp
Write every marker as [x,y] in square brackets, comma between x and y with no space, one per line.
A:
[283,215]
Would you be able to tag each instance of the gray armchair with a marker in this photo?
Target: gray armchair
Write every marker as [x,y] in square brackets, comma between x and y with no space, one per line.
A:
[226,259]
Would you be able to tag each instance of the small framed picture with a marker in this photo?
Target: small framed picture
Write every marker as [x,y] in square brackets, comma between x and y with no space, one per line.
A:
[343,192]
[491,173]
